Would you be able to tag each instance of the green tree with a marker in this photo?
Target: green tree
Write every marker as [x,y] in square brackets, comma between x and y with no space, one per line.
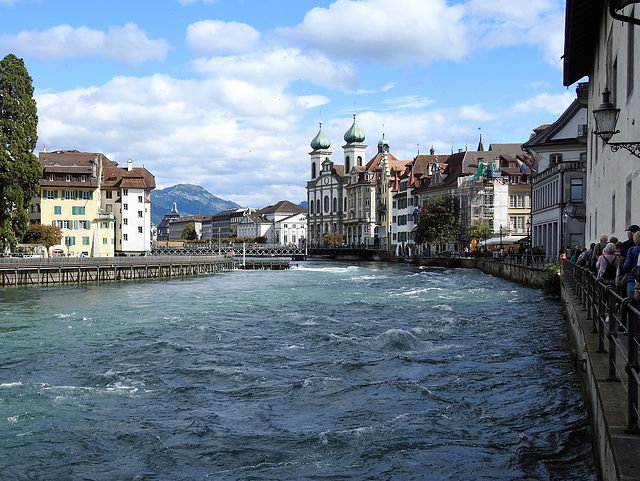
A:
[479,230]
[333,239]
[439,221]
[189,232]
[47,235]
[20,169]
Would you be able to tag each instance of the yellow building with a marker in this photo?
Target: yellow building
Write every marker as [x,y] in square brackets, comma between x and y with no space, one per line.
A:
[70,199]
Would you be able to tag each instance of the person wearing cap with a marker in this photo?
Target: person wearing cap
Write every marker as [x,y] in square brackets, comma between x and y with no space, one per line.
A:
[626,245]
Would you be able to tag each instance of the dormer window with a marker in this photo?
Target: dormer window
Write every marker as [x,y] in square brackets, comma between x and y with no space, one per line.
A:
[68,178]
[52,177]
[83,178]
[555,158]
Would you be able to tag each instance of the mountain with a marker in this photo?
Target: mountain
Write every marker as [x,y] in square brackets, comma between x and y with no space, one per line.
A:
[190,200]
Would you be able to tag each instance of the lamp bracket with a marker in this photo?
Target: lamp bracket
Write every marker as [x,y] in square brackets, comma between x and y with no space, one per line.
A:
[632,147]
[622,18]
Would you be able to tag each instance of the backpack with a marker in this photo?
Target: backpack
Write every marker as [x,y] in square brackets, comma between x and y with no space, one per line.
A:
[611,269]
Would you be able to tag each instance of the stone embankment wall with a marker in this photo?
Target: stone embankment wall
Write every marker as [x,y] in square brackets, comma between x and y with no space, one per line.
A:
[528,276]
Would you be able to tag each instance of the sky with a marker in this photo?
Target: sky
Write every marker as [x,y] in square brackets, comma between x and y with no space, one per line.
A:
[228,94]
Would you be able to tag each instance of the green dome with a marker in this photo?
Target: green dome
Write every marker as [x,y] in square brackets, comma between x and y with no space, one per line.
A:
[382,143]
[320,141]
[354,135]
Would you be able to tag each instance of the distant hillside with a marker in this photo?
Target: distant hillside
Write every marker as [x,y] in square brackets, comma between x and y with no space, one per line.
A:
[190,200]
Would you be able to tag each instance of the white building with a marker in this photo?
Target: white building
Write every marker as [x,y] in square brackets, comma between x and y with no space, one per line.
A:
[603,48]
[558,209]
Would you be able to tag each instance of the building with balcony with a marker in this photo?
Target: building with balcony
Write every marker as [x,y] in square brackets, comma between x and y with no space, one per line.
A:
[103,210]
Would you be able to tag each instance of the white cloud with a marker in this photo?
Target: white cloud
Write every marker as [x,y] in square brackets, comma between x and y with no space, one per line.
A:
[210,37]
[240,142]
[127,43]
[421,31]
[505,22]
[385,31]
[9,3]
[280,67]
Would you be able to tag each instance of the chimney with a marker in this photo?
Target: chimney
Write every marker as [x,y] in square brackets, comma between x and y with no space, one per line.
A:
[129,165]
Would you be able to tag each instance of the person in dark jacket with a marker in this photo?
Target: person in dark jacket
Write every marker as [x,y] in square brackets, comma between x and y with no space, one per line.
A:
[630,261]
[632,229]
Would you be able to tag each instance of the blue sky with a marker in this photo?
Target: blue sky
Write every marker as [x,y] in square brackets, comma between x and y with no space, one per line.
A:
[228,94]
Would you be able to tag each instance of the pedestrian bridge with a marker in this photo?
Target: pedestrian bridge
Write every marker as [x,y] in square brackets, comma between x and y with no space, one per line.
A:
[265,250]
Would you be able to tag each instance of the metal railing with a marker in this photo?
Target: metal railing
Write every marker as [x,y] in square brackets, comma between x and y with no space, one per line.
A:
[615,319]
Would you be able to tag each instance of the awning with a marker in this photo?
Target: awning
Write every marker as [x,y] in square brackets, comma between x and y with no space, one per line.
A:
[505,240]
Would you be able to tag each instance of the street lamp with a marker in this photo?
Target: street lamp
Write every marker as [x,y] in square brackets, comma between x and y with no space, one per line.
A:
[500,238]
[218,240]
[606,118]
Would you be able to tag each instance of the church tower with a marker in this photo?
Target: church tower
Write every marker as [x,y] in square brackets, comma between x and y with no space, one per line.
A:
[354,149]
[320,145]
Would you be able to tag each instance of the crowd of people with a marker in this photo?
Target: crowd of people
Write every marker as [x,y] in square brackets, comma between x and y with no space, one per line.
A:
[612,261]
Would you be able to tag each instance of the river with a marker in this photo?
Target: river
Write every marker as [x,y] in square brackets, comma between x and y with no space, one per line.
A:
[327,371]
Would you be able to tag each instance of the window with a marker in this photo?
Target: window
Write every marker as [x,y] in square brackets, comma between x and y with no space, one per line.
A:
[555,158]
[514,179]
[57,210]
[86,195]
[125,192]
[68,177]
[125,221]
[105,241]
[125,237]
[83,224]
[52,177]
[516,201]
[109,194]
[140,230]
[78,210]
[109,207]
[125,206]
[67,224]
[69,194]
[326,203]
[139,213]
[69,241]
[104,225]
[85,240]
[50,194]
[140,199]
[83,178]
[576,191]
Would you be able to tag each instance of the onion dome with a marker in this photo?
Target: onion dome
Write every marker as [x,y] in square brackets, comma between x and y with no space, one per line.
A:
[354,135]
[382,143]
[320,141]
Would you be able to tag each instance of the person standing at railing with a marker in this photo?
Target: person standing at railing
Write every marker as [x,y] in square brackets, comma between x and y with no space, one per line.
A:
[630,261]
[607,265]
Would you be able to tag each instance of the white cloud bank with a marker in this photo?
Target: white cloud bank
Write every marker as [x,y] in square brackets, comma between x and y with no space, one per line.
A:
[126,43]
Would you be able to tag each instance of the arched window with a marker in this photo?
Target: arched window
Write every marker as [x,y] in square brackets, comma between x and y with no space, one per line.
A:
[359,160]
[313,170]
[347,164]
[311,207]
[318,207]
[326,204]
[335,205]
[345,205]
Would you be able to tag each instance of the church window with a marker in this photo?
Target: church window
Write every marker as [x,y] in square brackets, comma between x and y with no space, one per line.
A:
[326,203]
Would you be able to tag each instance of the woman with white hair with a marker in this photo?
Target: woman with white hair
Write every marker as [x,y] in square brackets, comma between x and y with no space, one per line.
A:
[607,264]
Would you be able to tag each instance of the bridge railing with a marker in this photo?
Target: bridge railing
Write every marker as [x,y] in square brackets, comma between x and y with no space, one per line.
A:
[615,319]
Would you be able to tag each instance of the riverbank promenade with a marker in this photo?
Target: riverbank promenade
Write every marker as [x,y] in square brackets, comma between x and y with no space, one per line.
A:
[603,328]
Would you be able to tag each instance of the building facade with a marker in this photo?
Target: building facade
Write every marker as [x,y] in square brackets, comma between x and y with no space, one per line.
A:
[601,41]
[558,185]
[103,210]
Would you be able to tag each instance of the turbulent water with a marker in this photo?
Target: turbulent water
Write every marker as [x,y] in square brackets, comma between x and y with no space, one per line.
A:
[322,372]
